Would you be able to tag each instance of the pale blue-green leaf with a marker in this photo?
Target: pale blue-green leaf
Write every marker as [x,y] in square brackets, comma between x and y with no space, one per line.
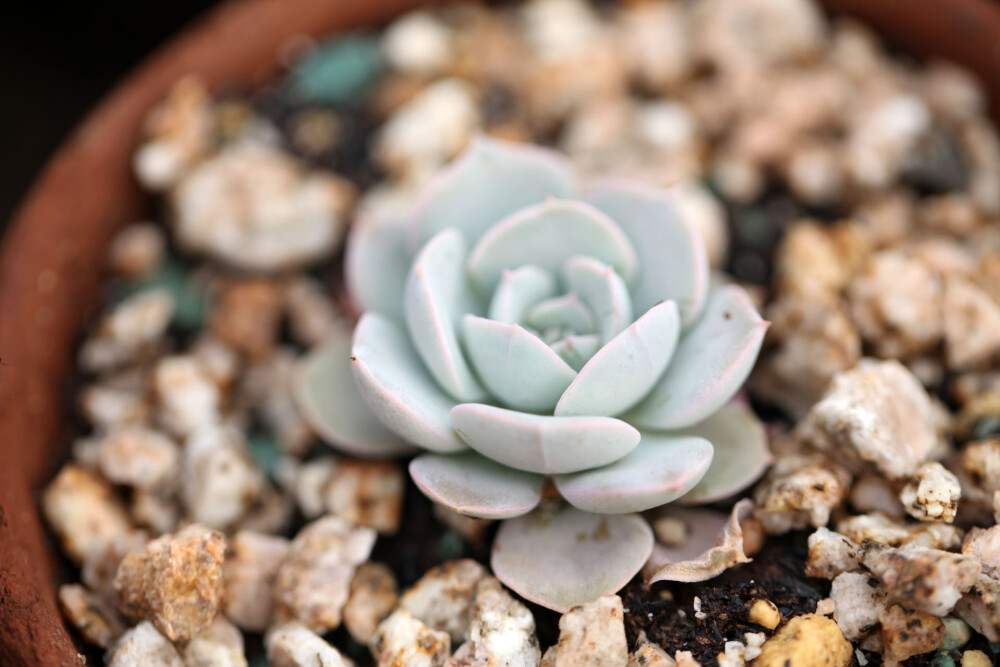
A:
[519,290]
[475,486]
[672,259]
[741,453]
[566,558]
[712,361]
[543,443]
[603,290]
[622,372]
[397,387]
[546,235]
[577,350]
[376,264]
[437,296]
[566,313]
[324,388]
[515,365]
[488,182]
[661,469]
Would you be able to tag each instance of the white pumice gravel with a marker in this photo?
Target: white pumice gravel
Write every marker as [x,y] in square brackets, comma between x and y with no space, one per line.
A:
[295,645]
[313,582]
[249,573]
[142,646]
[443,597]
[932,494]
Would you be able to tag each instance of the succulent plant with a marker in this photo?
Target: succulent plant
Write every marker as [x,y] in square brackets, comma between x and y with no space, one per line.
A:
[522,333]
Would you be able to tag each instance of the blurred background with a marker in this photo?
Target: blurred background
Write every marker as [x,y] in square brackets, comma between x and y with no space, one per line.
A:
[56,61]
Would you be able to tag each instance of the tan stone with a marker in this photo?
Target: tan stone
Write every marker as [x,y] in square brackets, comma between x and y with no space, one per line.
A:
[373,596]
[176,583]
[908,633]
[807,640]
[83,511]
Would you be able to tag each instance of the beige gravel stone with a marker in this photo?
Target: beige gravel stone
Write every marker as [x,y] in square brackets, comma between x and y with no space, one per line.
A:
[830,554]
[501,630]
[83,511]
[896,305]
[592,635]
[978,471]
[879,413]
[176,583]
[100,565]
[908,633]
[971,325]
[143,646]
[922,579]
[806,640]
[187,397]
[649,655]
[367,493]
[312,314]
[874,493]
[403,641]
[220,482]
[858,604]
[373,596]
[157,511]
[794,496]
[267,387]
[250,570]
[295,645]
[94,618]
[130,333]
[137,250]
[254,206]
[810,341]
[247,315]
[443,597]
[932,494]
[895,532]
[138,456]
[313,583]
[218,645]
[179,131]
[115,401]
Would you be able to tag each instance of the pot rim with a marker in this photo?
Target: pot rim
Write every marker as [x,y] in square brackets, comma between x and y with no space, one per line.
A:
[51,260]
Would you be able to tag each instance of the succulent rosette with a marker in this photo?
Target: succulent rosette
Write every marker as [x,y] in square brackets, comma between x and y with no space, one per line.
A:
[521,329]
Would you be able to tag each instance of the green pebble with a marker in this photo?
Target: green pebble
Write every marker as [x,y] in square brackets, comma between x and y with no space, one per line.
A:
[451,545]
[265,452]
[258,660]
[942,659]
[191,303]
[337,71]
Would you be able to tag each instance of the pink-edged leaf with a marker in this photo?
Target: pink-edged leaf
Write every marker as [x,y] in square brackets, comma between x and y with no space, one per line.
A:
[546,235]
[475,486]
[515,365]
[324,388]
[398,389]
[741,453]
[662,468]
[489,181]
[436,297]
[673,261]
[566,558]
[622,372]
[543,443]
[712,361]
[376,264]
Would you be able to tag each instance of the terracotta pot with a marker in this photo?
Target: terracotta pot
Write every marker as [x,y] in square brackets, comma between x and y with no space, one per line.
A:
[51,261]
